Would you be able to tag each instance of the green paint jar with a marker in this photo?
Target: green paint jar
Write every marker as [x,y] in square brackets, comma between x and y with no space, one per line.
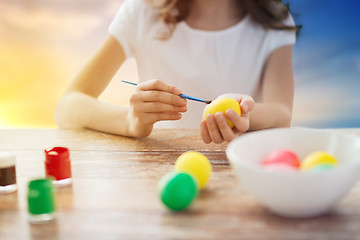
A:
[41,200]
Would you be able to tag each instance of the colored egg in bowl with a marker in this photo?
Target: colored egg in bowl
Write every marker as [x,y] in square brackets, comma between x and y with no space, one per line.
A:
[296,193]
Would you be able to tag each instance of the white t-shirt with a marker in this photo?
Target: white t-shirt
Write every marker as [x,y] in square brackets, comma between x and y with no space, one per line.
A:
[204,64]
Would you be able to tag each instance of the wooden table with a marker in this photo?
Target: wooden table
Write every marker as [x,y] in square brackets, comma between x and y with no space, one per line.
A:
[114,194]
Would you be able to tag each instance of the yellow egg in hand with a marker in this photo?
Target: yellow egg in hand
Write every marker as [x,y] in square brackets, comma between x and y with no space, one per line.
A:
[197,164]
[221,105]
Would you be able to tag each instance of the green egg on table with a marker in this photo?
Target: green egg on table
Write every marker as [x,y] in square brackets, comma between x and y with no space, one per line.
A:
[177,190]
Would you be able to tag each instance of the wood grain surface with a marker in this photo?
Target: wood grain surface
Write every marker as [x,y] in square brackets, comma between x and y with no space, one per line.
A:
[114,194]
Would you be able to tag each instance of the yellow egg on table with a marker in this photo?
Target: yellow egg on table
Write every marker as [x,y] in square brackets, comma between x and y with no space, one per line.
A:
[317,158]
[197,164]
[221,105]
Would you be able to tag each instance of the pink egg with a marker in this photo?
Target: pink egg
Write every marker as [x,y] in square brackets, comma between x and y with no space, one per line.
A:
[282,156]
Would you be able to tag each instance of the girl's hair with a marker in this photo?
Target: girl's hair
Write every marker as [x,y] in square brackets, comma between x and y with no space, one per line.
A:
[268,13]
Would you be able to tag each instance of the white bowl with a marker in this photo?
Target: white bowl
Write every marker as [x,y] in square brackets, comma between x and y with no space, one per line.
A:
[296,194]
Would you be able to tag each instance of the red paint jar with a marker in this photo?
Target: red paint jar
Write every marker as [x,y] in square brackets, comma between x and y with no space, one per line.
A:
[57,165]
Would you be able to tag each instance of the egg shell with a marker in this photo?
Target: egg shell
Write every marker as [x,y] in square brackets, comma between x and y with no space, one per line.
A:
[177,190]
[197,164]
[221,105]
[316,158]
[322,167]
[282,156]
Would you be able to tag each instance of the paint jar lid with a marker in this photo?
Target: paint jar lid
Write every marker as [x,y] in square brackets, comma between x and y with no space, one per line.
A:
[7,159]
[57,163]
[57,154]
[41,196]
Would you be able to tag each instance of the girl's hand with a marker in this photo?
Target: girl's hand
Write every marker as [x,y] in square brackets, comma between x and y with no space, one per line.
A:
[216,128]
[153,101]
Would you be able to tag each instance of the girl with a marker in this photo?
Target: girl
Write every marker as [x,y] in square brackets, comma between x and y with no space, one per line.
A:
[203,48]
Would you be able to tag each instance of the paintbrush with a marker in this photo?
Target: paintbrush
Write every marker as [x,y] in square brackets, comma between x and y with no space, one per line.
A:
[180,95]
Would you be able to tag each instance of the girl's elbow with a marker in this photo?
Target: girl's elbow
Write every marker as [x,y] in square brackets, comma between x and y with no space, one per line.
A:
[62,114]
[287,124]
[286,118]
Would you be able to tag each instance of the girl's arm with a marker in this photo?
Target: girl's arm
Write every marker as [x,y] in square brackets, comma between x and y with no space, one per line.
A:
[152,101]
[278,92]
[274,111]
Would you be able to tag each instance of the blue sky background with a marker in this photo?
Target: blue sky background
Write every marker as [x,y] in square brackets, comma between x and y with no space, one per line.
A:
[327,63]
